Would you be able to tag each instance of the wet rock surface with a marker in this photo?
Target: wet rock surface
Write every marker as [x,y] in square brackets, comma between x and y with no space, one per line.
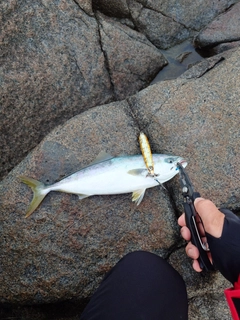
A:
[68,58]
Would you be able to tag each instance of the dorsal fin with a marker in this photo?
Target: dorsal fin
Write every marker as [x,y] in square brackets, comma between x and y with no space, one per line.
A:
[102,156]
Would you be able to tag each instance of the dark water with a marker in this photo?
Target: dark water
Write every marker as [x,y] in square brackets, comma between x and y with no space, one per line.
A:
[180,58]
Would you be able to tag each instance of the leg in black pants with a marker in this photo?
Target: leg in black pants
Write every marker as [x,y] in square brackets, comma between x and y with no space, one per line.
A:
[142,286]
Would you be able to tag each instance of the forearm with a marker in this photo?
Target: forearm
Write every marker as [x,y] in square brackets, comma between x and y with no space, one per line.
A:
[226,256]
[226,249]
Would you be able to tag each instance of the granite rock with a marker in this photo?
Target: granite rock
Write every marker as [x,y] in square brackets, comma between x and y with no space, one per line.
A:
[198,119]
[225,47]
[225,28]
[132,60]
[161,30]
[63,250]
[210,297]
[86,6]
[165,23]
[51,68]
[192,15]
[58,59]
[114,8]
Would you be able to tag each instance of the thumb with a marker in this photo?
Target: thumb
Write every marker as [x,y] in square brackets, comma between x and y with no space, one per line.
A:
[212,218]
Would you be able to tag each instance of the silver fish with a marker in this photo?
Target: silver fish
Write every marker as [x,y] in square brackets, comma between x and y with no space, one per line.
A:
[109,175]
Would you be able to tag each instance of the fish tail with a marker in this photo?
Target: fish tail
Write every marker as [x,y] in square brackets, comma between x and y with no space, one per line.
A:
[38,193]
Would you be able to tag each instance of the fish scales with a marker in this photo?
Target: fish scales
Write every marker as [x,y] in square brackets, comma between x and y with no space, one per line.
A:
[112,175]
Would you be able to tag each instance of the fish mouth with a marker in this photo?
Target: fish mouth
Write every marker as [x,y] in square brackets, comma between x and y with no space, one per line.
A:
[183,162]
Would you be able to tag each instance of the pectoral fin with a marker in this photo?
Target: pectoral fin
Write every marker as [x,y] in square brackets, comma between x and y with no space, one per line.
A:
[137,172]
[138,195]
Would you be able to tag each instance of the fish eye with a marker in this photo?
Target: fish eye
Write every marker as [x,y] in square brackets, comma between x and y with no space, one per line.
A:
[170,160]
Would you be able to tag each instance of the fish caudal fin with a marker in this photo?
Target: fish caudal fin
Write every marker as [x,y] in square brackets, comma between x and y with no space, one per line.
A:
[38,193]
[138,195]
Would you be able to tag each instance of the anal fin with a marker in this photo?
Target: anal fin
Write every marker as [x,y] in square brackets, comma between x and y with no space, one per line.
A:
[83,196]
[138,195]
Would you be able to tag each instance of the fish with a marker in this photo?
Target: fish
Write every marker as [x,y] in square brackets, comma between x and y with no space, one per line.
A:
[146,153]
[108,175]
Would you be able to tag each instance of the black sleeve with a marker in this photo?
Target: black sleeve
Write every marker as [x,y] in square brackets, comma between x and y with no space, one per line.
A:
[226,249]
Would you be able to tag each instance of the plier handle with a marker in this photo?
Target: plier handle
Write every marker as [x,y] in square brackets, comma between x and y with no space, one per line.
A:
[191,215]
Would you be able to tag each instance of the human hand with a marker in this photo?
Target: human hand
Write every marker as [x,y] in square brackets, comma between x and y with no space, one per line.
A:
[213,221]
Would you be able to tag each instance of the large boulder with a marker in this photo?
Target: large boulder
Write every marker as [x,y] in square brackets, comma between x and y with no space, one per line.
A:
[57,60]
[64,249]
[67,245]
[162,30]
[129,69]
[224,28]
[51,68]
[165,23]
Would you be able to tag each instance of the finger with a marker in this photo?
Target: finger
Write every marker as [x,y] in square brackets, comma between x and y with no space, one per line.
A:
[196,266]
[181,220]
[186,234]
[192,251]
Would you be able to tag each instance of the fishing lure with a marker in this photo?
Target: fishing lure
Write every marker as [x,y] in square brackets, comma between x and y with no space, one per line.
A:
[147,154]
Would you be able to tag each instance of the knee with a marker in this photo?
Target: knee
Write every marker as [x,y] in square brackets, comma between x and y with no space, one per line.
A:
[139,257]
[148,264]
[142,261]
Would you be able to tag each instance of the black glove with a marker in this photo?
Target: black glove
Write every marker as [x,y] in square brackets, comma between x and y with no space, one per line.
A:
[226,249]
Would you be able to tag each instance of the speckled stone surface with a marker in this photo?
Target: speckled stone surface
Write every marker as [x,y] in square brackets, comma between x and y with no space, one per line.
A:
[225,28]
[51,68]
[193,15]
[204,289]
[57,60]
[199,119]
[67,245]
[165,23]
[129,69]
[64,249]
[162,30]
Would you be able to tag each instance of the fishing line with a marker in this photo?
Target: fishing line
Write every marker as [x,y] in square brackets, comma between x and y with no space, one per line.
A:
[161,185]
